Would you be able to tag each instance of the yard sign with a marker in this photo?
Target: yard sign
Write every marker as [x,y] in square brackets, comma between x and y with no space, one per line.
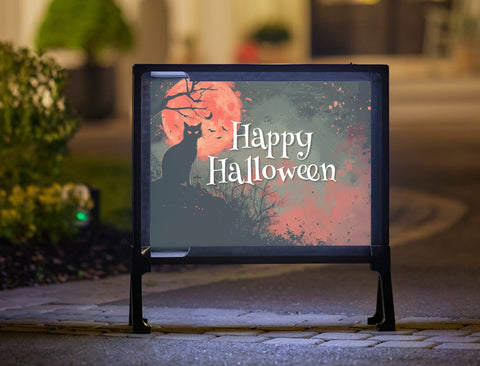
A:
[261,164]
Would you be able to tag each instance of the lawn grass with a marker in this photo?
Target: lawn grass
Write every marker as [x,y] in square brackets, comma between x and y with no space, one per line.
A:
[113,177]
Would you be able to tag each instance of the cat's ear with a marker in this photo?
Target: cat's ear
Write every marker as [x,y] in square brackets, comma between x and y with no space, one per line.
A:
[199,125]
[185,124]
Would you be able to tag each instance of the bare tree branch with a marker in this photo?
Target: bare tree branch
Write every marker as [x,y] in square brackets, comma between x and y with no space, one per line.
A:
[193,109]
[194,95]
[189,93]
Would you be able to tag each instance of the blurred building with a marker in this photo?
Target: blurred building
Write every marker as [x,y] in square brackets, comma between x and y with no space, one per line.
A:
[228,31]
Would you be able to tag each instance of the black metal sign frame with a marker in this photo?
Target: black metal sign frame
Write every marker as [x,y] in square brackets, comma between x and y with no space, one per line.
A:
[377,254]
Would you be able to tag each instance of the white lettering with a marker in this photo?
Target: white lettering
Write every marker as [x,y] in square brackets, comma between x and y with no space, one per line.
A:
[332,169]
[272,174]
[289,172]
[307,144]
[239,175]
[258,140]
[270,140]
[235,174]
[236,135]
[223,162]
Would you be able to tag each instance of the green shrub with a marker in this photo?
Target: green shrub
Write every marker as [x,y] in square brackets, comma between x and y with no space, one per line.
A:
[35,123]
[41,215]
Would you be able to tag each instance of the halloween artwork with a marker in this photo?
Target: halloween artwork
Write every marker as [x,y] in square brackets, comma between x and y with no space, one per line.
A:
[259,163]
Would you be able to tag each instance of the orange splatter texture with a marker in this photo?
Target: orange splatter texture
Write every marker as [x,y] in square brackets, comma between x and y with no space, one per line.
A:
[342,208]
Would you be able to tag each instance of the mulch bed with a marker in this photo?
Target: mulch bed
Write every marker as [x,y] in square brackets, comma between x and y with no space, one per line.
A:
[86,256]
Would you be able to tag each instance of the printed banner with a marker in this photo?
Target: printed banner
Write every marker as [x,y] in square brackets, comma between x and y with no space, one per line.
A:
[266,163]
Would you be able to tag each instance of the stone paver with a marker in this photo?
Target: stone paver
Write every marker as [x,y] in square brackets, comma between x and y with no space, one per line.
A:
[284,328]
[279,334]
[237,326]
[453,339]
[336,329]
[465,346]
[294,341]
[235,332]
[325,320]
[241,339]
[407,344]
[183,330]
[388,332]
[186,337]
[343,336]
[349,343]
[394,337]
[442,332]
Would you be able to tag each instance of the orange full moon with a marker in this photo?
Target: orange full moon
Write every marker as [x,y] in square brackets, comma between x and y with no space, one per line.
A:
[214,104]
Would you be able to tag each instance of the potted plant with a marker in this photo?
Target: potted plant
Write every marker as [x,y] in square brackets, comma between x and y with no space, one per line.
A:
[96,27]
[273,41]
[273,33]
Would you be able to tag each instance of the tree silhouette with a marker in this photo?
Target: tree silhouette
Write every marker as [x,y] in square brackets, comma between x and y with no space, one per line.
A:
[187,103]
[253,209]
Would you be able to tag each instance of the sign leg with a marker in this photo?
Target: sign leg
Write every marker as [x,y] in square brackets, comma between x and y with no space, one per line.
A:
[378,316]
[388,323]
[136,319]
[140,265]
[384,316]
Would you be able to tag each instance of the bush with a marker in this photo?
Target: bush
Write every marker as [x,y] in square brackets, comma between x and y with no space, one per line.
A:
[35,123]
[41,215]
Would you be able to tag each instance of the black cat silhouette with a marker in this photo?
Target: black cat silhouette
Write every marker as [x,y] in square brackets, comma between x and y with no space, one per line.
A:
[177,160]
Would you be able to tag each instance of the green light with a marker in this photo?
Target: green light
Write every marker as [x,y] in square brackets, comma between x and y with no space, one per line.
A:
[82,216]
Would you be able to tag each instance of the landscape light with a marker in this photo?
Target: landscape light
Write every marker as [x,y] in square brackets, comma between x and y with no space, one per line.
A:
[82,216]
